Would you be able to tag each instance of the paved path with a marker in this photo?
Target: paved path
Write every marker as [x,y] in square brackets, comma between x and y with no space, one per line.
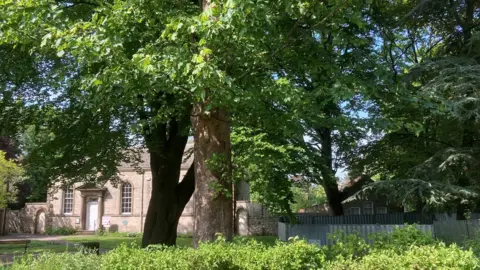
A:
[20,236]
[9,258]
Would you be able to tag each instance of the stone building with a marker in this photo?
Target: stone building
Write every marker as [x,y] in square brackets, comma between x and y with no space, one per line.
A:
[124,206]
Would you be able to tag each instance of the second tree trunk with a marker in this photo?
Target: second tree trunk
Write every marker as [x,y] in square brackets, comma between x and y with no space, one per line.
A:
[213,184]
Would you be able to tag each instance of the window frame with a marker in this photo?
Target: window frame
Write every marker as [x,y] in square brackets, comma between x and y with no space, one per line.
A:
[370,206]
[68,194]
[381,207]
[350,210]
[123,202]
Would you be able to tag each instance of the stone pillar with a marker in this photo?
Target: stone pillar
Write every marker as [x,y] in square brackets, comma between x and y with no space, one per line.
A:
[100,212]
[83,213]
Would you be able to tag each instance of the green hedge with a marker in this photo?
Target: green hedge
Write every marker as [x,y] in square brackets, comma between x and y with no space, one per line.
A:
[403,249]
[423,257]
[219,255]
[60,231]
[120,234]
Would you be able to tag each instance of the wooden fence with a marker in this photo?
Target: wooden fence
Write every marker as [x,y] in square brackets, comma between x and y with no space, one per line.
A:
[320,233]
[447,230]
[384,219]
[457,230]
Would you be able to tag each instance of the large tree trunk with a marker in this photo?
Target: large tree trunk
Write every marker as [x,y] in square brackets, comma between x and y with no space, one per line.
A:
[166,144]
[330,184]
[213,184]
[334,198]
[213,168]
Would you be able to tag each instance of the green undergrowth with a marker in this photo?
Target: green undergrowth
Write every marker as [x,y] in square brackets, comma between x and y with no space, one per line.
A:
[60,231]
[405,248]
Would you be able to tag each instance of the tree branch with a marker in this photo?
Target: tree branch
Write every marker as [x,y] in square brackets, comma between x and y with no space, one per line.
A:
[425,138]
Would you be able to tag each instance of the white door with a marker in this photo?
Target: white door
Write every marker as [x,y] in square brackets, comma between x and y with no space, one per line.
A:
[40,222]
[92,213]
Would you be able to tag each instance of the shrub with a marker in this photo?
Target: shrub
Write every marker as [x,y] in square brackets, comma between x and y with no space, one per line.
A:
[436,256]
[119,234]
[413,251]
[402,238]
[60,231]
[351,246]
[57,261]
[473,243]
[185,235]
[218,255]
[347,246]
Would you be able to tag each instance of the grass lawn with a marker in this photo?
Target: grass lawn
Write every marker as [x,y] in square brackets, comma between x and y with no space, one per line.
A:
[107,242]
[111,242]
[35,246]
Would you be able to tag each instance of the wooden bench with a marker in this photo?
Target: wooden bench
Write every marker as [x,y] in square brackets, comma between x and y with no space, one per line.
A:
[16,242]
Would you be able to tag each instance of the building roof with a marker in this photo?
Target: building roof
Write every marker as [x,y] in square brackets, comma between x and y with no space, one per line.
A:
[144,163]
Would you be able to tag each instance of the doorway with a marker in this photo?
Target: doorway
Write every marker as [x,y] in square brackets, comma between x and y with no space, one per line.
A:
[40,226]
[242,222]
[91,222]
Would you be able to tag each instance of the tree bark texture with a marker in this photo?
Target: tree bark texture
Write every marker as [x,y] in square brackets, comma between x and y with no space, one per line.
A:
[166,144]
[213,168]
[335,197]
[213,185]
[330,184]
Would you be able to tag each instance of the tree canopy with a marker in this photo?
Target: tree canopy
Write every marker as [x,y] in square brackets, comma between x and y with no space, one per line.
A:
[270,90]
[10,174]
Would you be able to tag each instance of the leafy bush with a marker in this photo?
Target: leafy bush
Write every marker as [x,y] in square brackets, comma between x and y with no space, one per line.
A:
[218,255]
[347,246]
[436,256]
[402,238]
[405,248]
[351,246]
[120,234]
[184,235]
[57,261]
[60,231]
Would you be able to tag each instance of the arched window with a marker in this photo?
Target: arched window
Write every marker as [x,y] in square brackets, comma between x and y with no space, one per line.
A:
[126,198]
[68,200]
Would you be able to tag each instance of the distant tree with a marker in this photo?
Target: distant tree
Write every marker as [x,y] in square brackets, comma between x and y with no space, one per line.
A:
[10,174]
[308,196]
[428,152]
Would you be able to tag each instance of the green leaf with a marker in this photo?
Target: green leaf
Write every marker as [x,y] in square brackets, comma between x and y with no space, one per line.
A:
[45,39]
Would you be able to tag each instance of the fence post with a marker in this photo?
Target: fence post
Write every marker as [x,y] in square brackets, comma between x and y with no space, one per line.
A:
[468,231]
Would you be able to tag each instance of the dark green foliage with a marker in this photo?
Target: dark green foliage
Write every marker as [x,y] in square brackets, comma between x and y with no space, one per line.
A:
[405,248]
[60,231]
[427,147]
[119,234]
[89,247]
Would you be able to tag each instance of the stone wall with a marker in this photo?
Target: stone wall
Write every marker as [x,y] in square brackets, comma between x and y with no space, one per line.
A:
[25,220]
[2,213]
[259,221]
[18,222]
